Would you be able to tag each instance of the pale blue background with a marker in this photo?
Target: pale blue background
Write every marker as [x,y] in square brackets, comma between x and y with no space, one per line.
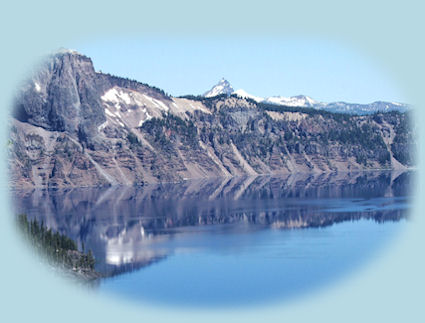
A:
[389,289]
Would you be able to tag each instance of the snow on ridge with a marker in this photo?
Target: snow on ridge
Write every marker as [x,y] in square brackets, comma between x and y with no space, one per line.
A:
[130,108]
[118,96]
[243,94]
[293,101]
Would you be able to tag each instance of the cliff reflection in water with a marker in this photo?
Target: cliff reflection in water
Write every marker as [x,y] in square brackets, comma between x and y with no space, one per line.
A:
[131,227]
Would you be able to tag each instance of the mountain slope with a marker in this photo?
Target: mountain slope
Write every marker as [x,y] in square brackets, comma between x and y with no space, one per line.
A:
[74,127]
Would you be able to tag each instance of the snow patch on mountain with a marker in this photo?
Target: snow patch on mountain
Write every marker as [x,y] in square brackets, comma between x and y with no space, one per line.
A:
[243,94]
[293,101]
[116,96]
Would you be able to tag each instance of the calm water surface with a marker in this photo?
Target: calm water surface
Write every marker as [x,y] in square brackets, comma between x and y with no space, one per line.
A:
[227,242]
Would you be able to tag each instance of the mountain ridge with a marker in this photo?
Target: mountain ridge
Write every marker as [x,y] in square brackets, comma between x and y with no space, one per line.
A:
[308,102]
[73,127]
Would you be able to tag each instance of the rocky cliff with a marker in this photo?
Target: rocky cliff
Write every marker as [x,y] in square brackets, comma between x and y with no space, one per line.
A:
[73,126]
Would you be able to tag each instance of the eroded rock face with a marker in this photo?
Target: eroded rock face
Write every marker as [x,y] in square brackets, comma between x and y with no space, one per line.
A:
[74,126]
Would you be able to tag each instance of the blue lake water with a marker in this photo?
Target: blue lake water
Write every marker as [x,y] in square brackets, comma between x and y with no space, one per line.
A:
[228,242]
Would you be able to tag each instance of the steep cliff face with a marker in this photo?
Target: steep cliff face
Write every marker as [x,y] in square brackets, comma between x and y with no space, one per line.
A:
[73,126]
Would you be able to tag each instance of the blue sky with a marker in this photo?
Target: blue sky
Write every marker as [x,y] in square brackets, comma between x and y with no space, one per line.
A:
[264,67]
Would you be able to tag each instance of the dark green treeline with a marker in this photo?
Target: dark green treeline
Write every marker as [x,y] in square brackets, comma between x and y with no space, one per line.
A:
[58,248]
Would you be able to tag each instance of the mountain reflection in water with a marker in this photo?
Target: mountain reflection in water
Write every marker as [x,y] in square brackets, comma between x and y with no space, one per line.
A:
[131,227]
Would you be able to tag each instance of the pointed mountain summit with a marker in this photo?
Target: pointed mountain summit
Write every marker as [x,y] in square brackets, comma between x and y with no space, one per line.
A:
[222,87]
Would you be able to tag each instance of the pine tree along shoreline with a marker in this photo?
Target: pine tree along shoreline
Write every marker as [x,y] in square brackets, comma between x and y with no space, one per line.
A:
[59,250]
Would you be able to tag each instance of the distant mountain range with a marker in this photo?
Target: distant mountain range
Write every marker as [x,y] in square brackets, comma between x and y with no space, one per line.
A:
[224,87]
[73,127]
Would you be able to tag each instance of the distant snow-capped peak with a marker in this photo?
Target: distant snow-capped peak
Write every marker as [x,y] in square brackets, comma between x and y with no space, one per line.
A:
[243,94]
[222,87]
[293,101]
